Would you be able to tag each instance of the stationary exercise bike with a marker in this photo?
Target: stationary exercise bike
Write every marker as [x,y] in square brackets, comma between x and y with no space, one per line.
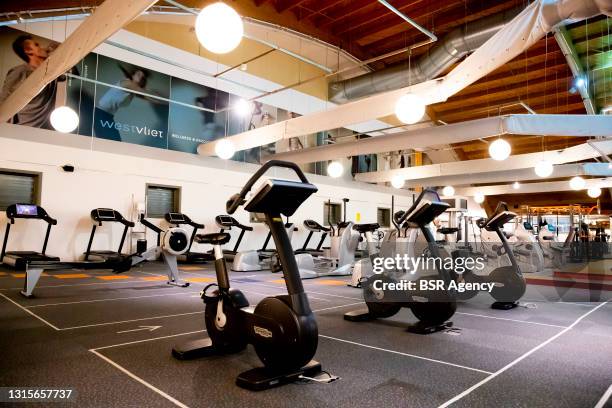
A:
[432,307]
[282,328]
[510,284]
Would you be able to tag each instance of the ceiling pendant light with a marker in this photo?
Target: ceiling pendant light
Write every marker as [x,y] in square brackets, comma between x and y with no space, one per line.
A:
[243,107]
[543,168]
[448,191]
[398,181]
[335,169]
[500,150]
[594,192]
[64,119]
[219,28]
[577,183]
[516,185]
[224,149]
[479,197]
[410,108]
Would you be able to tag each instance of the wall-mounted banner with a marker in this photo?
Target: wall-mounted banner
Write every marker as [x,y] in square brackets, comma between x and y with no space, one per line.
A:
[128,103]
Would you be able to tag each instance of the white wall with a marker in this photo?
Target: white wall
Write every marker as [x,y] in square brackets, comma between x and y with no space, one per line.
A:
[113,174]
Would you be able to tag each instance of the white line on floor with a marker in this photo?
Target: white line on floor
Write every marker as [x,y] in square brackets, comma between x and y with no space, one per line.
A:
[129,321]
[80,284]
[111,299]
[519,359]
[338,307]
[199,331]
[310,291]
[140,380]
[30,312]
[510,320]
[604,398]
[406,354]
[145,340]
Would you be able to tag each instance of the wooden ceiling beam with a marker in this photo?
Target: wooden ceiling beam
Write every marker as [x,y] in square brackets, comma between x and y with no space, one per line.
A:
[417,10]
[108,18]
[320,11]
[506,92]
[527,78]
[442,25]
[24,5]
[572,107]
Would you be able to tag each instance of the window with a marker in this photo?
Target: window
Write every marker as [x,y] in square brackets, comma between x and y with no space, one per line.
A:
[162,200]
[335,215]
[18,187]
[383,217]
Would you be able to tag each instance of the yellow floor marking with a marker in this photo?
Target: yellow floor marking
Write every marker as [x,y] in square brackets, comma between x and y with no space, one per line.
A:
[281,281]
[113,277]
[3,273]
[191,268]
[71,276]
[22,275]
[154,278]
[330,282]
[201,280]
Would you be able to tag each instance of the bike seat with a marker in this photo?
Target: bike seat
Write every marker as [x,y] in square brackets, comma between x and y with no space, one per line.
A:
[448,230]
[215,238]
[362,228]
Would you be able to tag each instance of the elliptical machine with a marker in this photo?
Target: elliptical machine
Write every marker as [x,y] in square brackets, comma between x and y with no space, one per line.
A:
[433,308]
[510,284]
[282,328]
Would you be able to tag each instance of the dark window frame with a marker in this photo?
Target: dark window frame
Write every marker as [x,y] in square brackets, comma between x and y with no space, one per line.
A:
[37,176]
[337,207]
[387,217]
[177,193]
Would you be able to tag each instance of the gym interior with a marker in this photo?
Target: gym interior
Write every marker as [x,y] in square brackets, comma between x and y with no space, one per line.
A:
[401,203]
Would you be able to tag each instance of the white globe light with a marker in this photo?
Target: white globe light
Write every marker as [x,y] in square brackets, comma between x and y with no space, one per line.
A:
[479,197]
[410,108]
[397,181]
[224,149]
[516,185]
[64,119]
[500,150]
[448,191]
[577,183]
[594,192]
[243,107]
[335,169]
[219,28]
[543,168]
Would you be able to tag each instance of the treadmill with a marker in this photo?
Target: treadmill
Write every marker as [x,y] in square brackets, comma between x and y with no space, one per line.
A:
[20,259]
[100,216]
[226,222]
[312,226]
[178,219]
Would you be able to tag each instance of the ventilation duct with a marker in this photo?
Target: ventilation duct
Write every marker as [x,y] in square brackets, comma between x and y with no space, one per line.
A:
[454,46]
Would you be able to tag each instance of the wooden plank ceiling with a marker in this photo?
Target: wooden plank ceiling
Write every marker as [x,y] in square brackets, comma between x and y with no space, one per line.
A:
[539,78]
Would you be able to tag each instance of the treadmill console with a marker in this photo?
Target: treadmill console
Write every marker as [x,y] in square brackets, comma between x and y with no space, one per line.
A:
[100,215]
[31,211]
[26,210]
[175,218]
[105,214]
[225,221]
